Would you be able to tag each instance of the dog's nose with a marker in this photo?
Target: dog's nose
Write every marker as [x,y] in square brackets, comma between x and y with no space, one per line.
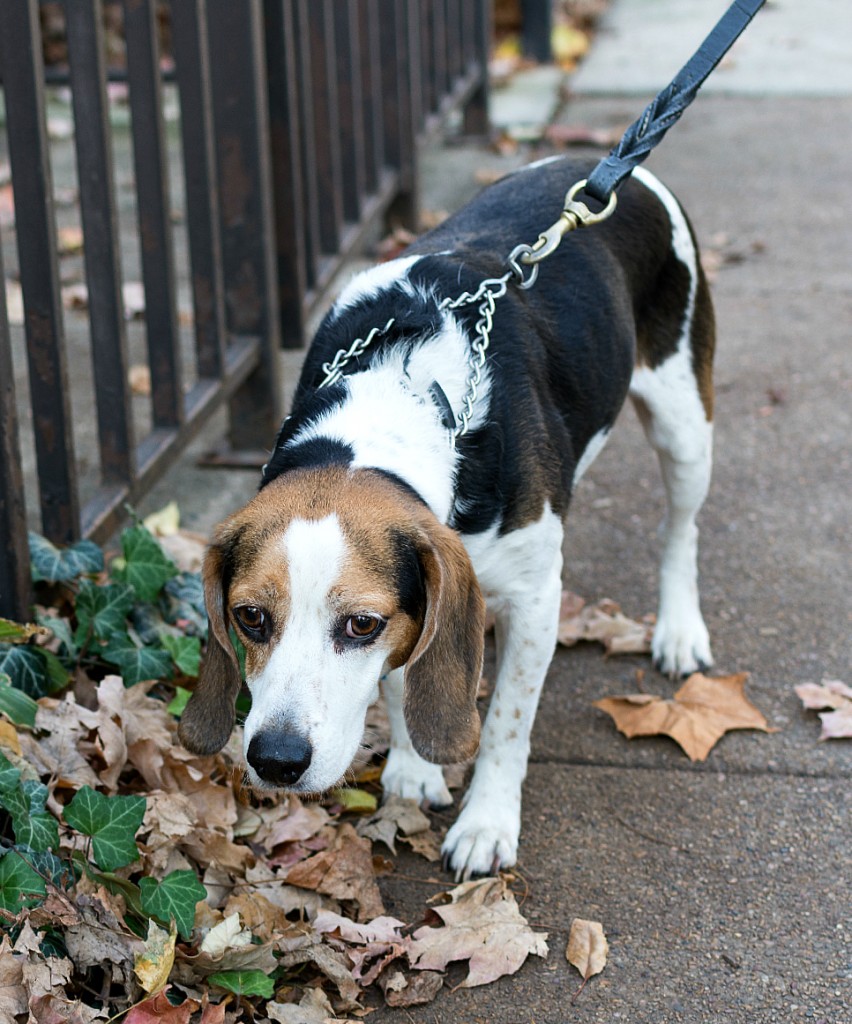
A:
[279,758]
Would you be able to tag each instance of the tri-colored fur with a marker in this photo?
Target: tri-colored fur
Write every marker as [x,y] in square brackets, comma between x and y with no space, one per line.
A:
[370,551]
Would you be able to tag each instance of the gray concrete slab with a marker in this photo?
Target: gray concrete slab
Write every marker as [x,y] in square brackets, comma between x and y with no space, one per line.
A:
[790,49]
[713,890]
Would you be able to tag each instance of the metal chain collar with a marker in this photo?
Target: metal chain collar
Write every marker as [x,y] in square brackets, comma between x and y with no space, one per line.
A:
[489,291]
[575,214]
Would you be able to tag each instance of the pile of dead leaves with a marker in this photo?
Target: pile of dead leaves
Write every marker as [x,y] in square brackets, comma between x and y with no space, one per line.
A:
[139,880]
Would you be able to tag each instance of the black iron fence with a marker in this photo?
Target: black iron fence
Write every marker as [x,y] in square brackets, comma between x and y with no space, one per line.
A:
[298,127]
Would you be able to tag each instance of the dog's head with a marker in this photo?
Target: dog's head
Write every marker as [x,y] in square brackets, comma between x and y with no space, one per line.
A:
[332,577]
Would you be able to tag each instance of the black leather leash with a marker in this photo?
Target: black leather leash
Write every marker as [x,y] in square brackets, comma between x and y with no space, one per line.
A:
[666,108]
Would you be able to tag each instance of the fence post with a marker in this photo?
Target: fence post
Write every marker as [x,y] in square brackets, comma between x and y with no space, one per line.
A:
[398,120]
[288,187]
[93,144]
[476,120]
[14,551]
[23,85]
[535,37]
[241,121]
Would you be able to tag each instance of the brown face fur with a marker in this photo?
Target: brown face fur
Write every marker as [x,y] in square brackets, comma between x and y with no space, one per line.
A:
[397,561]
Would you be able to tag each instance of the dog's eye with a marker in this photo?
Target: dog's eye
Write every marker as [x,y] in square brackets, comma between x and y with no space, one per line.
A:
[361,627]
[253,620]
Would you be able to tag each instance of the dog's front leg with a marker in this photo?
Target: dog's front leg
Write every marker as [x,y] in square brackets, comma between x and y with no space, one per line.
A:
[485,836]
[406,773]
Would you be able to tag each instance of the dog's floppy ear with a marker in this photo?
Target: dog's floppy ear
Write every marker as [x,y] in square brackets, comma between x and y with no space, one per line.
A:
[442,674]
[209,716]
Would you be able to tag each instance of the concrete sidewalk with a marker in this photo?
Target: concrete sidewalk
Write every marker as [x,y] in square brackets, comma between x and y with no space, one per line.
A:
[725,888]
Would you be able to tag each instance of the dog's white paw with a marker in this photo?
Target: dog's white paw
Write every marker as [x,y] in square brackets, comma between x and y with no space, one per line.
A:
[483,840]
[406,774]
[681,643]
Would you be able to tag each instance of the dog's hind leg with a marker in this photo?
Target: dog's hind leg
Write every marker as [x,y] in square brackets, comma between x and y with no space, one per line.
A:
[672,391]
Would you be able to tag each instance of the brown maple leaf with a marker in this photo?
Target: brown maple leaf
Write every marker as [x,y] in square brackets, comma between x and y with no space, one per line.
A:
[345,871]
[482,924]
[701,712]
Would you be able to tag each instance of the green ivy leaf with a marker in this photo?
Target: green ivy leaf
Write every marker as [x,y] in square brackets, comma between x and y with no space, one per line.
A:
[34,827]
[111,821]
[102,611]
[16,705]
[54,564]
[26,668]
[244,983]
[174,897]
[49,866]
[20,886]
[10,777]
[187,588]
[185,652]
[61,629]
[18,632]
[177,705]
[137,664]
[57,672]
[147,567]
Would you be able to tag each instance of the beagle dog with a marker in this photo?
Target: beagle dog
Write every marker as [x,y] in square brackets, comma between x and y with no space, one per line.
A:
[366,560]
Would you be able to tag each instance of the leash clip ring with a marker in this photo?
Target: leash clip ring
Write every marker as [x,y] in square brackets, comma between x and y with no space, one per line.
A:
[575,214]
[524,268]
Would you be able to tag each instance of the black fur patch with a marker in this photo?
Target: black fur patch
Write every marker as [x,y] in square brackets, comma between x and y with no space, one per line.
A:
[317,451]
[408,576]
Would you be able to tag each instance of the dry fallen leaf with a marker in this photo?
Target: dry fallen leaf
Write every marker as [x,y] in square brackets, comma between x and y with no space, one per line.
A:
[158,1010]
[411,990]
[482,924]
[139,379]
[604,622]
[153,965]
[701,712]
[345,871]
[396,814]
[69,240]
[587,947]
[833,694]
[313,1008]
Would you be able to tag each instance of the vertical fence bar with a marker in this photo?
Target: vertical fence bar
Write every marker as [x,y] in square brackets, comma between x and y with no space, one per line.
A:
[350,105]
[371,92]
[327,123]
[248,247]
[307,145]
[84,24]
[288,188]
[192,65]
[439,50]
[476,110]
[535,38]
[14,552]
[399,131]
[23,82]
[427,64]
[454,42]
[150,158]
